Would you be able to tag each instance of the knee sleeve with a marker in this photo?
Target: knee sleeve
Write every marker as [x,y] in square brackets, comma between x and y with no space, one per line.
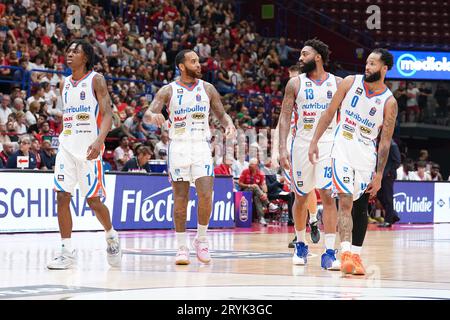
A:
[360,216]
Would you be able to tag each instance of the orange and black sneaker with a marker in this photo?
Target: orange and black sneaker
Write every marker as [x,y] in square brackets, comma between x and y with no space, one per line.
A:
[347,266]
[359,269]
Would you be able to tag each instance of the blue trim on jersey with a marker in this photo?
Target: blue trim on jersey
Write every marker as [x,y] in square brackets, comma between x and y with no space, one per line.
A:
[337,178]
[327,186]
[319,82]
[287,175]
[58,185]
[94,184]
[96,114]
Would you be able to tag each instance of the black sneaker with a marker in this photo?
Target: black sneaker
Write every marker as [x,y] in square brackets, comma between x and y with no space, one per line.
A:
[292,243]
[315,232]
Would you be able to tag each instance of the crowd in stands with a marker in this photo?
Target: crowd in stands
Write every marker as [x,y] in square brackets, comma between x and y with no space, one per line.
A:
[138,41]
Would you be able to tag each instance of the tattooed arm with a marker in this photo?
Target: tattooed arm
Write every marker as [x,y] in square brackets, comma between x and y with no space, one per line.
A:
[285,118]
[104,104]
[153,114]
[390,116]
[217,107]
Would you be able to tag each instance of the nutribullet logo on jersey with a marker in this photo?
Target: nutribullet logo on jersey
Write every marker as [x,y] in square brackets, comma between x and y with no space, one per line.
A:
[316,105]
[360,119]
[81,108]
[186,110]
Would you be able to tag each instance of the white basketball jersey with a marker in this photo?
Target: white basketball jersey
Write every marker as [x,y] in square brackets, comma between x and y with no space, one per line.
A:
[362,115]
[81,117]
[189,112]
[312,99]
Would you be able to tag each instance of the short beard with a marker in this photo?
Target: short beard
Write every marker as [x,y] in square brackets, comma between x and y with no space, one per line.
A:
[193,74]
[308,66]
[373,77]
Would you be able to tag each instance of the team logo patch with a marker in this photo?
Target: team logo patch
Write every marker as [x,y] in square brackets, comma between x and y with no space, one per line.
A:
[198,97]
[309,84]
[359,91]
[60,177]
[348,128]
[346,180]
[365,130]
[299,174]
[83,116]
[198,116]
[373,111]
[378,101]
[329,94]
[82,95]
[180,91]
[347,135]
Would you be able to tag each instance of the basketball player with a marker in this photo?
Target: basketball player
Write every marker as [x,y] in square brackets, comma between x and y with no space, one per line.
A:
[367,107]
[294,71]
[307,96]
[87,121]
[189,102]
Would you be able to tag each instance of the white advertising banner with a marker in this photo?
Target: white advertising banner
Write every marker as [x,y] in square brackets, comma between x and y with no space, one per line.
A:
[28,203]
[441,202]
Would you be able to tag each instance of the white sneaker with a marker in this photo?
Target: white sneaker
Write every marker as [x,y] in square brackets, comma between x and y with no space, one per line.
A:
[263,221]
[202,250]
[335,266]
[273,207]
[65,261]
[182,257]
[114,252]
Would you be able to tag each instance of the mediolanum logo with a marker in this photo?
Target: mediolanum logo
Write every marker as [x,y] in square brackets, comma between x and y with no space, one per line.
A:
[83,116]
[408,64]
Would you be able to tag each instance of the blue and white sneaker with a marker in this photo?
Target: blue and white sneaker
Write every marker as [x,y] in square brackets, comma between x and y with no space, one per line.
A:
[329,261]
[300,254]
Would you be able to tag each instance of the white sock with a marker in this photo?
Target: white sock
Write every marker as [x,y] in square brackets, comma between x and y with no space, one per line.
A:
[301,235]
[111,234]
[201,231]
[346,246]
[181,239]
[312,217]
[330,239]
[66,244]
[356,249]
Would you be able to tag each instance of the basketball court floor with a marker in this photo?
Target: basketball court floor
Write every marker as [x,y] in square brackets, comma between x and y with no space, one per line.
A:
[406,262]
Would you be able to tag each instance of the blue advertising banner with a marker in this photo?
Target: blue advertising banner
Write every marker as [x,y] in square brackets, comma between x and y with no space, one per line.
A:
[146,202]
[420,65]
[414,204]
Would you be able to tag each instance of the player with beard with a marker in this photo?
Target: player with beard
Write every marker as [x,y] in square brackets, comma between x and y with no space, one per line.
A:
[368,113]
[306,97]
[189,101]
